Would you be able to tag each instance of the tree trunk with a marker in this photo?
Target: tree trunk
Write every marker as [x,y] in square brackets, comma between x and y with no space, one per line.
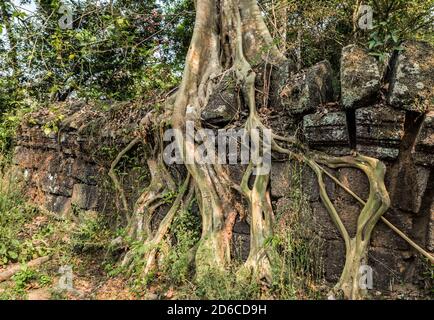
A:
[230,40]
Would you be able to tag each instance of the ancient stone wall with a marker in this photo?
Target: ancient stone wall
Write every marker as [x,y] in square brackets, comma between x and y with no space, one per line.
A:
[390,117]
[387,114]
[64,155]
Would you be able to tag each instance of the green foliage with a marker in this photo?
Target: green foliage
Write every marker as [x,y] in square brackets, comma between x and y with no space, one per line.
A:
[14,215]
[186,234]
[120,50]
[226,286]
[91,233]
[297,266]
[398,20]
[319,29]
[22,280]
[9,122]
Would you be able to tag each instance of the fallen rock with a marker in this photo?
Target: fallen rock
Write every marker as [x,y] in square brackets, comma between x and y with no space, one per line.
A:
[307,90]
[412,82]
[360,77]
[379,131]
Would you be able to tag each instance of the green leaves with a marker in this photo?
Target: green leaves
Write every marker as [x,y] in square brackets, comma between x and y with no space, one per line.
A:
[397,22]
[14,214]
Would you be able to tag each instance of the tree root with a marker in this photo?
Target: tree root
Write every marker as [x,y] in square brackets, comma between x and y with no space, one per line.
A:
[386,222]
[377,204]
[219,207]
[112,174]
[153,242]
[9,273]
[261,226]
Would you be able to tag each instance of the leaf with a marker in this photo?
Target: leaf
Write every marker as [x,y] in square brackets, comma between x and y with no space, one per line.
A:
[47,131]
[2,249]
[13,255]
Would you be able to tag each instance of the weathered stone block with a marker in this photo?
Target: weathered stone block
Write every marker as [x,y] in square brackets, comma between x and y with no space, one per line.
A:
[412,82]
[57,184]
[310,187]
[280,179]
[57,204]
[308,89]
[335,260]
[84,172]
[349,215]
[28,158]
[327,132]
[355,180]
[85,197]
[384,237]
[413,182]
[223,104]
[360,77]
[379,131]
[424,150]
[387,266]
[324,225]
[54,176]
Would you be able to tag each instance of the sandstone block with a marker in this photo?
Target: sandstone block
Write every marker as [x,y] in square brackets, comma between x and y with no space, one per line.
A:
[412,82]
[360,78]
[379,131]
[307,90]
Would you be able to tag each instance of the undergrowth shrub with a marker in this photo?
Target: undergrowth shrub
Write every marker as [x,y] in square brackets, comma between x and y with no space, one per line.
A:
[15,213]
[298,267]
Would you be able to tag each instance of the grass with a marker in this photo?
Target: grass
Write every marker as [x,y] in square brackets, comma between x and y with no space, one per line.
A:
[15,214]
[297,266]
[27,233]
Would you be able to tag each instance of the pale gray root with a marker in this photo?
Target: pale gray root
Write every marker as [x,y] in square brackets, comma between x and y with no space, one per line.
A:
[378,203]
[112,174]
[229,41]
[154,242]
[11,271]
[415,246]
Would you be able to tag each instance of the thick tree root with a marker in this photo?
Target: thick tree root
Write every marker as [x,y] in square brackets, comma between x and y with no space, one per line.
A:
[218,48]
[258,262]
[10,272]
[154,243]
[377,204]
[112,174]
